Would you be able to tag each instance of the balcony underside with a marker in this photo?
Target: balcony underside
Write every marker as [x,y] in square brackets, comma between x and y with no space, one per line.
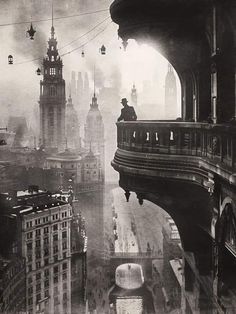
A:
[184,168]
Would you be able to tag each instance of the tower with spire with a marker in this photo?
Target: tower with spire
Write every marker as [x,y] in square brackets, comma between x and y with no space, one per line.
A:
[94,133]
[134,96]
[170,94]
[52,99]
[72,126]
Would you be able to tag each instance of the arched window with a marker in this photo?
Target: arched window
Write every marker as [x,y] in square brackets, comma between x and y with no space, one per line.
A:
[52,71]
[52,58]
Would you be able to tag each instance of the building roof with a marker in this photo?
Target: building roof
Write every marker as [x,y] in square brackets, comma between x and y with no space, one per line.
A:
[67,155]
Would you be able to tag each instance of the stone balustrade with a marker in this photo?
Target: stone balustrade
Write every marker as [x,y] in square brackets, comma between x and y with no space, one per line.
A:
[211,142]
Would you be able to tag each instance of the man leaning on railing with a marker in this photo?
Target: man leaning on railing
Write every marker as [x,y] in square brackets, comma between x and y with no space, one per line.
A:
[127,113]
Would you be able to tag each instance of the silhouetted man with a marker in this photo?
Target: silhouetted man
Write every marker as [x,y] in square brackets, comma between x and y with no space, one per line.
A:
[128,112]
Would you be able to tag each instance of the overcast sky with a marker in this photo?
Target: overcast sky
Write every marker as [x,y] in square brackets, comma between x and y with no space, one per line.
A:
[19,84]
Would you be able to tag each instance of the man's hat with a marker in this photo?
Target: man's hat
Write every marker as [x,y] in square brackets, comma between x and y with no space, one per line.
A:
[124,100]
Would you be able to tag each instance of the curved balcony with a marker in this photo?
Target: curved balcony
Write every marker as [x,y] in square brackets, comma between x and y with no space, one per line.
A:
[189,151]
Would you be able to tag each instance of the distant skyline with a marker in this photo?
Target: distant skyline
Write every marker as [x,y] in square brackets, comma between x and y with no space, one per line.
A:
[19,84]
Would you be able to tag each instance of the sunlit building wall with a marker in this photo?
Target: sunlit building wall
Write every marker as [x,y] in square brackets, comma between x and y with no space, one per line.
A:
[46,246]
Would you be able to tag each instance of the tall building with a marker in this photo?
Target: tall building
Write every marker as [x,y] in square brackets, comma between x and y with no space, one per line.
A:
[86,89]
[134,96]
[73,139]
[170,94]
[80,87]
[94,133]
[44,240]
[52,99]
[73,85]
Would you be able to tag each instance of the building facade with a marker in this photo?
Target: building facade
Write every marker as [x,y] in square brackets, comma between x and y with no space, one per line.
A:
[44,241]
[52,99]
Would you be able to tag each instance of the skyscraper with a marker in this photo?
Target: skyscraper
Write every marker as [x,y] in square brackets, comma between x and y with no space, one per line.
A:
[72,126]
[170,94]
[134,96]
[52,99]
[94,132]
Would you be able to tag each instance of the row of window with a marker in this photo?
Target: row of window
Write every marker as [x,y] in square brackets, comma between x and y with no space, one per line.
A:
[39,275]
[55,227]
[45,241]
[38,221]
[46,262]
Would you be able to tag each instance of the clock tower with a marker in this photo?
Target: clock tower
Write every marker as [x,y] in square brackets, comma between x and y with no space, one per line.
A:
[52,99]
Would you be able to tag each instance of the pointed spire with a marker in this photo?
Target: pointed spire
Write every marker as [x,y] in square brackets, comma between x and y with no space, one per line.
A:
[52,28]
[94,99]
[94,80]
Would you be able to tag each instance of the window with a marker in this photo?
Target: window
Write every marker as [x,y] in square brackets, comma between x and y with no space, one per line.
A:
[52,58]
[46,283]
[38,276]
[56,290]
[38,254]
[29,224]
[45,261]
[56,301]
[64,235]
[64,285]
[29,235]
[29,246]
[64,255]
[55,227]
[38,265]
[55,269]
[52,48]
[64,224]
[46,240]
[45,219]
[55,217]
[30,290]
[38,297]
[55,249]
[29,267]
[30,301]
[55,258]
[64,296]
[55,279]
[52,71]
[45,230]
[55,237]
[46,272]
[46,252]
[46,294]
[30,280]
[64,276]
[37,221]
[64,266]
[29,258]
[64,245]
[38,232]
[38,243]
[38,287]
